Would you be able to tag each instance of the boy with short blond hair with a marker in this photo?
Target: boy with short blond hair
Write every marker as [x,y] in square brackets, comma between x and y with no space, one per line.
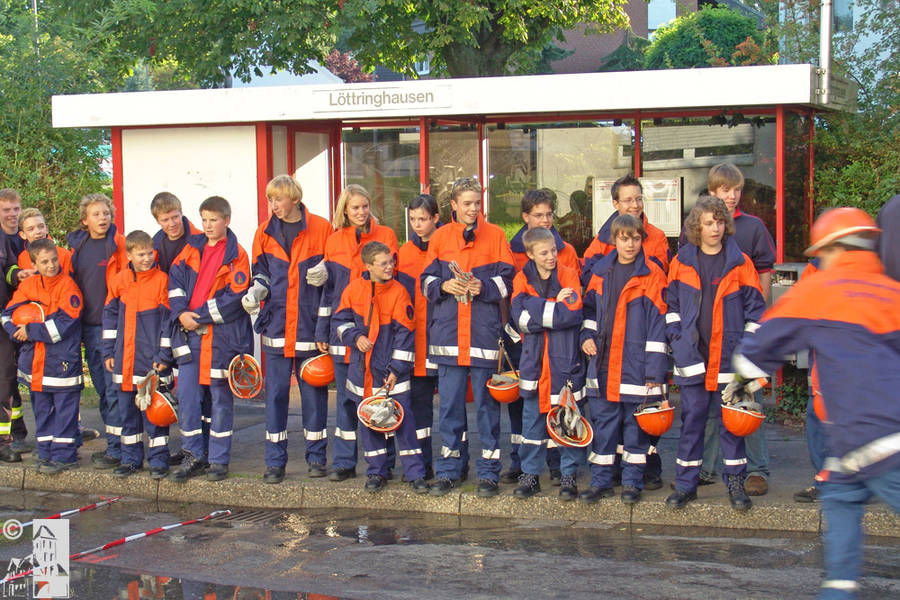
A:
[135,341]
[624,338]
[211,328]
[288,276]
[546,307]
[50,360]
[375,319]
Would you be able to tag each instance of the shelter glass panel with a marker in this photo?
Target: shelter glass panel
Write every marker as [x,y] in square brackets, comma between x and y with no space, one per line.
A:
[386,163]
[686,148]
[797,185]
[452,153]
[565,158]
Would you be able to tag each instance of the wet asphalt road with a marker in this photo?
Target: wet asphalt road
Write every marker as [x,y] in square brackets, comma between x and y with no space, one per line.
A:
[358,554]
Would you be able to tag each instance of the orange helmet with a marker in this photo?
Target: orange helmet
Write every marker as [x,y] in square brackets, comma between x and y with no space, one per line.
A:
[655,418]
[504,387]
[742,418]
[380,413]
[318,371]
[842,225]
[565,423]
[30,312]
[161,411]
[244,376]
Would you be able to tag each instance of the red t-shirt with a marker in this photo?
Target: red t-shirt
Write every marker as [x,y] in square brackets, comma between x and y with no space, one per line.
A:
[210,261]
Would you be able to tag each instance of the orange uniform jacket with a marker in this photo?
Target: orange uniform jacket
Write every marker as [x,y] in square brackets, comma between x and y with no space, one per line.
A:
[411,264]
[344,261]
[136,324]
[51,358]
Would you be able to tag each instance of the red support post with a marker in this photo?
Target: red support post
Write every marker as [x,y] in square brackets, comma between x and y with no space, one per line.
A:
[118,178]
[290,150]
[263,169]
[424,157]
[638,169]
[811,208]
[482,175]
[779,183]
[336,162]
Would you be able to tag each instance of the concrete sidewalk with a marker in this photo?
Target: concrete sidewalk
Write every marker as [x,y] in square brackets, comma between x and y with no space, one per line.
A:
[790,467]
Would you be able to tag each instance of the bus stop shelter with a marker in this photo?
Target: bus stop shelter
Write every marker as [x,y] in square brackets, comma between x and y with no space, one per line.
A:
[572,134]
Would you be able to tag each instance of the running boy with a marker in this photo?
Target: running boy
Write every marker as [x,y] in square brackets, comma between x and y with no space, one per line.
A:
[136,340]
[50,360]
[98,254]
[286,250]
[375,319]
[546,306]
[624,338]
[206,284]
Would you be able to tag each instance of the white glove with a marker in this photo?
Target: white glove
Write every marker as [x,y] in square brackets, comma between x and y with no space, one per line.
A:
[317,275]
[739,390]
[252,298]
[142,398]
[512,333]
[732,392]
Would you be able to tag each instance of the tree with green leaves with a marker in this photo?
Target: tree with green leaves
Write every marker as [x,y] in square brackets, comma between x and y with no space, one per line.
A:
[215,39]
[707,38]
[51,168]
[470,39]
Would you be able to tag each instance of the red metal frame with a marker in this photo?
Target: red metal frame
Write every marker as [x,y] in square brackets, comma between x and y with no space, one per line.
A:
[336,163]
[811,208]
[636,152]
[779,183]
[118,179]
[291,150]
[482,176]
[263,169]
[424,157]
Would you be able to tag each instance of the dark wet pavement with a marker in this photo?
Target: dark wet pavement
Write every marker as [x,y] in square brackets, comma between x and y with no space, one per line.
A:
[380,554]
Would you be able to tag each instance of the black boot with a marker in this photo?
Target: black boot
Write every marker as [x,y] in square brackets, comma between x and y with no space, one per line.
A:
[739,498]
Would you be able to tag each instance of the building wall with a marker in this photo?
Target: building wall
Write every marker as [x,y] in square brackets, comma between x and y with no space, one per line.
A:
[193,163]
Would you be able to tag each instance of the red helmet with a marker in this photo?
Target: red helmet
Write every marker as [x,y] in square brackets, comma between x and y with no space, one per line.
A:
[161,411]
[842,225]
[318,371]
[470,395]
[380,413]
[565,423]
[742,418]
[30,312]
[504,387]
[655,418]
[244,376]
